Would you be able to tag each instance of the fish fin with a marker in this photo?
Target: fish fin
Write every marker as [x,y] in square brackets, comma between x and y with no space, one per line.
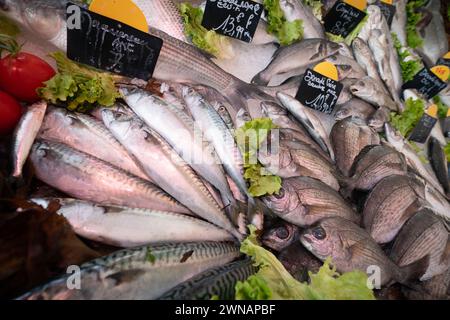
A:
[413,271]
[255,212]
[125,276]
[360,155]
[445,258]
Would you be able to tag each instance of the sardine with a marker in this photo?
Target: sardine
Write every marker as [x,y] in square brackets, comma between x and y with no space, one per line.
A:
[24,135]
[85,177]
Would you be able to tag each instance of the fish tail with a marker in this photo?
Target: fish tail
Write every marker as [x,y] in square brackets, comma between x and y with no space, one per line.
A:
[413,271]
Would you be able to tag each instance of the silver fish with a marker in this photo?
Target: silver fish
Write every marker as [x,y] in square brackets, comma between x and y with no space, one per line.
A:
[177,129]
[88,135]
[398,25]
[356,108]
[131,227]
[297,10]
[309,120]
[164,166]
[85,177]
[24,135]
[141,273]
[370,90]
[355,70]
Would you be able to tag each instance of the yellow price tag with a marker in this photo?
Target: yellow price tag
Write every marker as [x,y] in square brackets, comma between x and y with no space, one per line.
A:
[447,55]
[388,1]
[443,72]
[327,69]
[432,111]
[358,4]
[125,11]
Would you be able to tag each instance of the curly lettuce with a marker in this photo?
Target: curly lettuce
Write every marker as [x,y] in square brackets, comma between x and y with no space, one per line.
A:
[316,7]
[261,182]
[274,282]
[208,40]
[78,88]
[408,64]
[413,17]
[408,119]
[286,32]
[442,108]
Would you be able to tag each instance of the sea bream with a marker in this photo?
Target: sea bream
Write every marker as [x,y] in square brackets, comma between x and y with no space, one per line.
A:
[85,177]
[141,273]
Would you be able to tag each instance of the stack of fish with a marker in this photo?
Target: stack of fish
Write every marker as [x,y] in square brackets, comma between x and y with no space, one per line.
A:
[141,178]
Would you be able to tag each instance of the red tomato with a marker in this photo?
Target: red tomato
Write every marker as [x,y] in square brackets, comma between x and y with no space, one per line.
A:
[22,74]
[10,113]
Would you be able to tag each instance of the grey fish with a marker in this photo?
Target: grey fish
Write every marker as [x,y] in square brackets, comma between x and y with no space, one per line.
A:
[298,57]
[349,136]
[423,235]
[398,25]
[355,71]
[298,261]
[141,273]
[85,177]
[389,205]
[295,158]
[303,201]
[165,166]
[439,162]
[401,145]
[309,120]
[364,57]
[379,118]
[280,236]
[351,248]
[178,130]
[217,282]
[369,90]
[356,108]
[372,164]
[26,131]
[88,135]
[242,117]
[131,227]
[297,10]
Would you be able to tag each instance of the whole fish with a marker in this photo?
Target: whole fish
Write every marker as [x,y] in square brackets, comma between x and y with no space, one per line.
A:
[309,120]
[372,164]
[218,282]
[398,25]
[141,273]
[297,10]
[89,135]
[390,204]
[356,108]
[217,133]
[351,248]
[439,162]
[131,227]
[423,235]
[179,131]
[26,131]
[402,146]
[296,57]
[349,136]
[303,201]
[294,159]
[280,236]
[369,90]
[85,177]
[165,166]
[298,261]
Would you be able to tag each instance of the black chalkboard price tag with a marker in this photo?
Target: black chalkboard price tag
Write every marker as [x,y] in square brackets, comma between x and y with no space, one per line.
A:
[388,10]
[342,19]
[444,62]
[112,46]
[423,128]
[426,82]
[319,92]
[236,19]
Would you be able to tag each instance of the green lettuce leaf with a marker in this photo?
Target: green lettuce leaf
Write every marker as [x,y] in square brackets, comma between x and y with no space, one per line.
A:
[442,108]
[207,40]
[412,19]
[249,138]
[408,119]
[316,7]
[447,151]
[78,88]
[274,282]
[408,65]
[286,32]
[351,36]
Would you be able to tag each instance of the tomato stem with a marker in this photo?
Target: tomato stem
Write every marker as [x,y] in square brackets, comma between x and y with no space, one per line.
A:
[9,44]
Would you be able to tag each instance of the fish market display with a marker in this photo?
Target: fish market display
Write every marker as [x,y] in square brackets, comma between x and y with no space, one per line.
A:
[279,153]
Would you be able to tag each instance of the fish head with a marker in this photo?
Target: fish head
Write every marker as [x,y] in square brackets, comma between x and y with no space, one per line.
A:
[342,113]
[41,152]
[393,136]
[344,70]
[375,15]
[191,96]
[362,88]
[280,236]
[242,117]
[118,122]
[322,239]
[289,9]
[345,50]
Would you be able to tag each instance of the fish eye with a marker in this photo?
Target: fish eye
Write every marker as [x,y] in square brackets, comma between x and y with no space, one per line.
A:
[319,233]
[222,109]
[282,233]
[280,194]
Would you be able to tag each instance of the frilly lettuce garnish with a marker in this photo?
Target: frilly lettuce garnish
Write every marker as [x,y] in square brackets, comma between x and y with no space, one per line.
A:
[261,181]
[207,40]
[274,282]
[351,36]
[442,108]
[408,64]
[316,7]
[78,88]
[286,32]
[408,119]
[412,19]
